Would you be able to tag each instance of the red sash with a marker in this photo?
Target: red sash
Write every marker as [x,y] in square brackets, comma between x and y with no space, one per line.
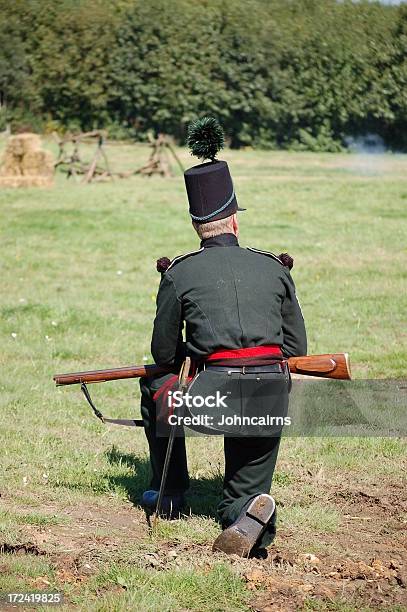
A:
[252,355]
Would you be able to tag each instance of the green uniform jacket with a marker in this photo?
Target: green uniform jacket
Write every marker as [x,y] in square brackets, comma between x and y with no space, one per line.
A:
[228,297]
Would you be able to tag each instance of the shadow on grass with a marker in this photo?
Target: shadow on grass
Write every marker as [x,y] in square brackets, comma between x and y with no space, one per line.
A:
[202,498]
[134,484]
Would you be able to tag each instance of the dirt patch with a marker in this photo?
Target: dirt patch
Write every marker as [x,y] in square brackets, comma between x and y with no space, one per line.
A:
[20,549]
[310,578]
[376,570]
[87,536]
[390,499]
[357,565]
[363,563]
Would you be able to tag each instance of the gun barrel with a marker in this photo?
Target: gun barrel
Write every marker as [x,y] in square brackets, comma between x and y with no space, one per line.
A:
[93,376]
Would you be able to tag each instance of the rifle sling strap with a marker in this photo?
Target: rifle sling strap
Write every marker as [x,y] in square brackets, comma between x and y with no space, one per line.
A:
[126,422]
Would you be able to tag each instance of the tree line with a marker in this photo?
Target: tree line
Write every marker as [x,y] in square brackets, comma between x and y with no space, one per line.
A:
[299,74]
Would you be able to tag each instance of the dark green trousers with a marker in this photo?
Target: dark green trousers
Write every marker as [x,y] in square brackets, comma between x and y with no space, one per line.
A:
[249,463]
[177,479]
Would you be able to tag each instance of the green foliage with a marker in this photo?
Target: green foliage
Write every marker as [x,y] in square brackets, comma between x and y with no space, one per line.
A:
[205,138]
[299,74]
[15,80]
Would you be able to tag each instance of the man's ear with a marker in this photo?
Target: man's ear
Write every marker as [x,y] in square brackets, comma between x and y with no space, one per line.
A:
[235,225]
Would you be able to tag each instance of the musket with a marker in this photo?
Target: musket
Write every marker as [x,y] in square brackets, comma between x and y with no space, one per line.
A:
[335,365]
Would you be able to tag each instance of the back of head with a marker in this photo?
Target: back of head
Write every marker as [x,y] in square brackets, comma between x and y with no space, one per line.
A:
[229,225]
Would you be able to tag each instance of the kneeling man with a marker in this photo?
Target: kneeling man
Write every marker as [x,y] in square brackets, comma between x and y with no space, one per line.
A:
[241,317]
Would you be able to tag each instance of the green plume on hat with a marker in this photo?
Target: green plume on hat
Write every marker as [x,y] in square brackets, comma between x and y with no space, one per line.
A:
[205,138]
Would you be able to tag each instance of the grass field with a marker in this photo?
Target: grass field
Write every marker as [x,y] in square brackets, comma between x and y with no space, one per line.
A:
[78,286]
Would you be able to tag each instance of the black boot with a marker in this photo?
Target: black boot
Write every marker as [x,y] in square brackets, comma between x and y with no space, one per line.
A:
[171,505]
[242,535]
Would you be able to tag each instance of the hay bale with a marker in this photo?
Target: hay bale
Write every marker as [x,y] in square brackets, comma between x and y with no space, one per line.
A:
[21,144]
[24,181]
[38,163]
[25,163]
[9,166]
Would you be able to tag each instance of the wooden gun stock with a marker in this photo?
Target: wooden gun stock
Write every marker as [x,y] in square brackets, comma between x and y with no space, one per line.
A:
[336,365]
[327,366]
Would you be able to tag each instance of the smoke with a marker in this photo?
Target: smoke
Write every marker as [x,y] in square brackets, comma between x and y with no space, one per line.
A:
[371,144]
[369,155]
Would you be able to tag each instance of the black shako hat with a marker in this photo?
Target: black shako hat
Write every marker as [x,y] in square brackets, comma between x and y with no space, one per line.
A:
[209,185]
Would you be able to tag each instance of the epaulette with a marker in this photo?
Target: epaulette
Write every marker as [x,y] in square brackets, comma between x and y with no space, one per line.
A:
[182,257]
[267,253]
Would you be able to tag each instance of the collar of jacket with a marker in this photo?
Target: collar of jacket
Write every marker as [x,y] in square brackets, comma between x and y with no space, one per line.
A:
[223,240]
